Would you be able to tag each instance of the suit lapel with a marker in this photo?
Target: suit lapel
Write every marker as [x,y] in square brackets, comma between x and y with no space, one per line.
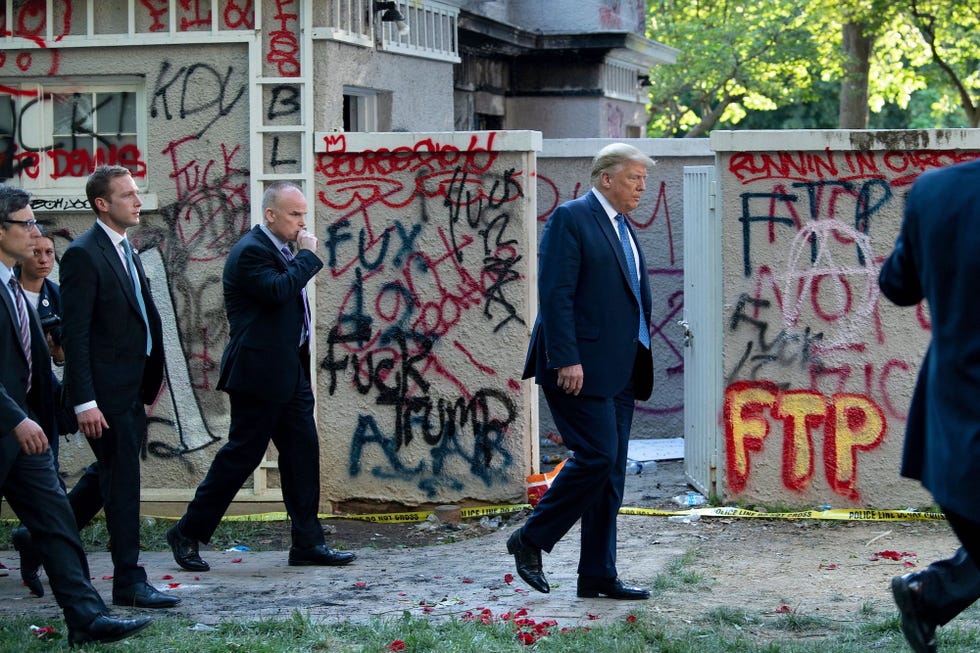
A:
[612,237]
[111,256]
[12,321]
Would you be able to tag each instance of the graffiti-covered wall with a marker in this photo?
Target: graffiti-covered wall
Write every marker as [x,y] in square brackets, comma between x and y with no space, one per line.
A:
[563,174]
[818,366]
[194,169]
[424,309]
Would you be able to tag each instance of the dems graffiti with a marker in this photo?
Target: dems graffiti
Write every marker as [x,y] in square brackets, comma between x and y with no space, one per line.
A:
[424,258]
[805,342]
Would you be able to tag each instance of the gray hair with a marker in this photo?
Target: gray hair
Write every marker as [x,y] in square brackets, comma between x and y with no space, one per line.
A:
[271,195]
[12,199]
[613,156]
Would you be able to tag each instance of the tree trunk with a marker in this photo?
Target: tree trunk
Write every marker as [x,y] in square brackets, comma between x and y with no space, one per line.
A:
[853,112]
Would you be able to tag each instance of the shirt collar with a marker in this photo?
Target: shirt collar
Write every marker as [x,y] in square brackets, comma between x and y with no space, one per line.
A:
[611,213]
[114,236]
[275,241]
[5,274]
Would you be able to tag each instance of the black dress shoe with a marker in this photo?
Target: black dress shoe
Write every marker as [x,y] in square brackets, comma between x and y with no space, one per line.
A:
[30,561]
[528,561]
[185,551]
[590,587]
[107,629]
[320,555]
[143,595]
[919,631]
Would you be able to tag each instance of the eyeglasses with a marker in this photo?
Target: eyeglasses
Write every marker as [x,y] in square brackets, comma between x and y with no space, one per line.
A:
[27,224]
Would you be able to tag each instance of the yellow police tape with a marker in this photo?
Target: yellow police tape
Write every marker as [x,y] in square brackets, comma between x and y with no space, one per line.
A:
[722,511]
[486,511]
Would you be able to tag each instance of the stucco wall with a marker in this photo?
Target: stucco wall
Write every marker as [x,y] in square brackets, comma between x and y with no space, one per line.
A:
[818,366]
[424,311]
[195,167]
[563,174]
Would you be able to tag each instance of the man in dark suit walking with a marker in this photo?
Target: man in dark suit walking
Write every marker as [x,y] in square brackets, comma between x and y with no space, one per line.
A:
[265,370]
[935,258]
[113,366]
[28,479]
[590,352]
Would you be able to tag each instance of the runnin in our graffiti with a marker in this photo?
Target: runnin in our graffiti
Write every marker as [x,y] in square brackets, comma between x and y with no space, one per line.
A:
[113,366]
[265,370]
[935,258]
[28,479]
[590,352]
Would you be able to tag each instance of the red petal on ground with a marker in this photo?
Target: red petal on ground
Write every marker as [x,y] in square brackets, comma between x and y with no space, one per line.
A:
[508,578]
[631,619]
[592,617]
[166,577]
[236,559]
[397,645]
[107,578]
[783,609]
[173,585]
[360,584]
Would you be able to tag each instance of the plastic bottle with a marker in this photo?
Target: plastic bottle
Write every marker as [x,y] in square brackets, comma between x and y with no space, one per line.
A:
[690,499]
[684,519]
[640,466]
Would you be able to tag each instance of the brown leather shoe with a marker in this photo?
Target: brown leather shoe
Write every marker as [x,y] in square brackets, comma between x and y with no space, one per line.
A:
[528,560]
[590,587]
[919,631]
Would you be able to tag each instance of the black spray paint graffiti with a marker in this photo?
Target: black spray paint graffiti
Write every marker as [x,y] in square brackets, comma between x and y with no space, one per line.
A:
[825,200]
[202,90]
[410,289]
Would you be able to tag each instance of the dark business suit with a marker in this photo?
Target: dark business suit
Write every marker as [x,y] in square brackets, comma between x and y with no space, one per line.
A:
[935,258]
[105,360]
[266,374]
[588,315]
[29,482]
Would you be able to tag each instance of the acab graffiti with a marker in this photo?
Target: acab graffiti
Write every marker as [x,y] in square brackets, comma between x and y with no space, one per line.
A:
[426,248]
[851,423]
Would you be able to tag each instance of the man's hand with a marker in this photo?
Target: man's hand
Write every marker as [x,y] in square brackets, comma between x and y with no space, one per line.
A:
[31,437]
[91,423]
[306,240]
[57,353]
[570,379]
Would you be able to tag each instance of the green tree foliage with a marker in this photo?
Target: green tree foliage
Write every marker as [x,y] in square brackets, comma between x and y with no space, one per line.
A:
[815,64]
[735,57]
[950,31]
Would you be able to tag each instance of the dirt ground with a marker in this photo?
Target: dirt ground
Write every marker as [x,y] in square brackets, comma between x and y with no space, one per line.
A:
[835,570]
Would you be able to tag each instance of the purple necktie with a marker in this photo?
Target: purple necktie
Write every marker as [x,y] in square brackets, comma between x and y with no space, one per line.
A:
[306,305]
[25,326]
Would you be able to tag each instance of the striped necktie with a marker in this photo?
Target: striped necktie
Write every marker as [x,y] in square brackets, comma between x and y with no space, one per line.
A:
[24,326]
[306,304]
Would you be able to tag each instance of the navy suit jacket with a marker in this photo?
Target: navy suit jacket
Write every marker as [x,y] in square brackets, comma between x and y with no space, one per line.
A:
[937,258]
[15,404]
[265,314]
[103,333]
[588,313]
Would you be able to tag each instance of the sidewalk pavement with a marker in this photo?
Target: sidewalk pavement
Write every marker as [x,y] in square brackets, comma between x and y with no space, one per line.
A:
[437,582]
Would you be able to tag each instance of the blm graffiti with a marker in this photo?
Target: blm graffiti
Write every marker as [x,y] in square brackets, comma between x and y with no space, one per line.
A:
[424,311]
[808,356]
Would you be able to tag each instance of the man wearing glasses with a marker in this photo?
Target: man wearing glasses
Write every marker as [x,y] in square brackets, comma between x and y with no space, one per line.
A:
[27,475]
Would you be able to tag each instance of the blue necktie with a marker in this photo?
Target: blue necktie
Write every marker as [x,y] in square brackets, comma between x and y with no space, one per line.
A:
[128,250]
[624,240]
[306,305]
